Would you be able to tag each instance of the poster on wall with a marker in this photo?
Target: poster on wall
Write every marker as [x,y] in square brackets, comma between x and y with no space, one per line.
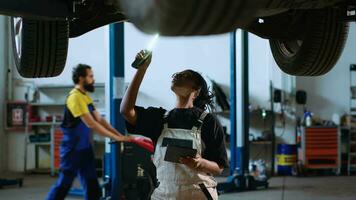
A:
[16,115]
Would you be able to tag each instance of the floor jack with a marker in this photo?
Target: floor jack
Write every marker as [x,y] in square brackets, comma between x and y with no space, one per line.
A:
[238,183]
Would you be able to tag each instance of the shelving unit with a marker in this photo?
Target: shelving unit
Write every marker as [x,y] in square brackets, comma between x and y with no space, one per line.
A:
[261,142]
[50,103]
[45,117]
[37,145]
[267,117]
[266,145]
[46,104]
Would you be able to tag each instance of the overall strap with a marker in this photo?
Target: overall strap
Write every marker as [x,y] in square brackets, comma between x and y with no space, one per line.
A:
[198,124]
[165,119]
[205,191]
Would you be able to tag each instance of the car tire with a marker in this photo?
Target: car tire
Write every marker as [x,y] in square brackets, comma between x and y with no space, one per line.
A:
[40,47]
[318,50]
[188,17]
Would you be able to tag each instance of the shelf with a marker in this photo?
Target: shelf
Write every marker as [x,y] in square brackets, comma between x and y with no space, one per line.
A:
[55,86]
[47,104]
[353,166]
[44,123]
[351,128]
[251,112]
[260,142]
[353,154]
[39,171]
[40,143]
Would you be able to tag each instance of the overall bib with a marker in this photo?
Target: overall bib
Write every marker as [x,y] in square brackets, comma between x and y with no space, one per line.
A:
[177,181]
[77,158]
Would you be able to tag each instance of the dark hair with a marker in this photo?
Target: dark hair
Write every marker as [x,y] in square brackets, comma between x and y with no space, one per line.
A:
[79,71]
[204,99]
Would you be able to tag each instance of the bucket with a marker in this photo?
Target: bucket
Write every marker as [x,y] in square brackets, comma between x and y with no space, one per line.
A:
[286,158]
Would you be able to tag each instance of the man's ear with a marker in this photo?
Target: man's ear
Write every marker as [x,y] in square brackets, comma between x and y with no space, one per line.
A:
[81,79]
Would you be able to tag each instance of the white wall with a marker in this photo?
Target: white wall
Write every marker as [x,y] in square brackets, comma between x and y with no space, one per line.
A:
[260,71]
[329,94]
[3,73]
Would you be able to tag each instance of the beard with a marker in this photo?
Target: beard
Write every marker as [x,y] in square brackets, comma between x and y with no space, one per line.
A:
[89,87]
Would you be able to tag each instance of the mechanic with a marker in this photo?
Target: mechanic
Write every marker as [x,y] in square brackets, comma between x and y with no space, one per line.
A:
[193,178]
[76,153]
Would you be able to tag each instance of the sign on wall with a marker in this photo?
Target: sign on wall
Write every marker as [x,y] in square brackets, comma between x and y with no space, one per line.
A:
[16,114]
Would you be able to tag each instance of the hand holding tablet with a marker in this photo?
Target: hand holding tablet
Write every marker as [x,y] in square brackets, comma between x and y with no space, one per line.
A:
[178,148]
[174,153]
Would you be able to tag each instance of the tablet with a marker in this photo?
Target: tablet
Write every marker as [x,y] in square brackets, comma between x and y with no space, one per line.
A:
[173,153]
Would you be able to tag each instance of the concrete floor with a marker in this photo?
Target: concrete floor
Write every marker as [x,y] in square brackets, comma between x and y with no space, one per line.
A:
[310,188]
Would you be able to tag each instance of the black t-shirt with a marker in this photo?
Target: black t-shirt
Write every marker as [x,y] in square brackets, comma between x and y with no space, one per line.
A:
[150,123]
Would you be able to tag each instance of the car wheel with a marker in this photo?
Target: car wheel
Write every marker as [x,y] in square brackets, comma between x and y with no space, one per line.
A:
[317,50]
[40,47]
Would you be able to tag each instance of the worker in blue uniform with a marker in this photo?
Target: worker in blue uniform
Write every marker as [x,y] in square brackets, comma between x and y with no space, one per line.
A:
[77,156]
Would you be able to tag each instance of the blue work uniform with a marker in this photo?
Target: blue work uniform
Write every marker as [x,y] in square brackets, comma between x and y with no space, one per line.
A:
[77,156]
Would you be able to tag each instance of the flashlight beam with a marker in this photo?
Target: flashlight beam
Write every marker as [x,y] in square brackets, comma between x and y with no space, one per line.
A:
[153,42]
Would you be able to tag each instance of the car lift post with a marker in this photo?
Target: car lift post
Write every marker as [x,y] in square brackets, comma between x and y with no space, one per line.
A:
[242,108]
[117,89]
[239,117]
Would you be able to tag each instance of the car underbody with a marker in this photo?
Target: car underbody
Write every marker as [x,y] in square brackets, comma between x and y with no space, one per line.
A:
[288,24]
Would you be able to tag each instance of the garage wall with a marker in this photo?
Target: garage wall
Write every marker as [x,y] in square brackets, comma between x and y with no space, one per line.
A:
[329,94]
[91,48]
[3,72]
[209,55]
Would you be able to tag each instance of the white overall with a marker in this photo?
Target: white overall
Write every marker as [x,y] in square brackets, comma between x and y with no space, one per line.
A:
[177,181]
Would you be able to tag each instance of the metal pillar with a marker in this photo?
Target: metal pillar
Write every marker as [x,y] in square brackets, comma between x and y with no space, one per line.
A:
[233,146]
[117,89]
[239,115]
[272,128]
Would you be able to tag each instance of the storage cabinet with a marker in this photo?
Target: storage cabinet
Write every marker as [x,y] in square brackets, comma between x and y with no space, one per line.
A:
[320,148]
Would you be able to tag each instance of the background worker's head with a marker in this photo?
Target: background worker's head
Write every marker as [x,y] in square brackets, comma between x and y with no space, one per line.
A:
[83,76]
[191,85]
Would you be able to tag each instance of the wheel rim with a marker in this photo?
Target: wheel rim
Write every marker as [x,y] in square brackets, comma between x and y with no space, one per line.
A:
[17,34]
[290,48]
